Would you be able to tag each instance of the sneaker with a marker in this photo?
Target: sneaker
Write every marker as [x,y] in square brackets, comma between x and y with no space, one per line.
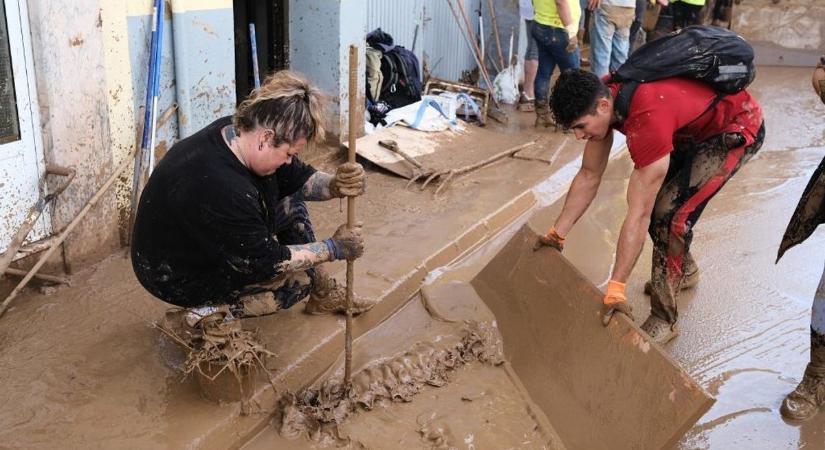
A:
[329,297]
[526,104]
[660,330]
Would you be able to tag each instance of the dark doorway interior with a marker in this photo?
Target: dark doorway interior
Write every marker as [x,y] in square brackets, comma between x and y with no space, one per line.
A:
[270,18]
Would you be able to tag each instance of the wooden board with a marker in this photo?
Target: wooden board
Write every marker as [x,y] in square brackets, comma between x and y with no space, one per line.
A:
[413,142]
[601,388]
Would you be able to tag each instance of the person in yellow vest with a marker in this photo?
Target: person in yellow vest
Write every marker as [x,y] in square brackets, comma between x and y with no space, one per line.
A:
[556,23]
[686,13]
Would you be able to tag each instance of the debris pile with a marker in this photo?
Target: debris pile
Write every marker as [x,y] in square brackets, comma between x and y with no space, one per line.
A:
[318,412]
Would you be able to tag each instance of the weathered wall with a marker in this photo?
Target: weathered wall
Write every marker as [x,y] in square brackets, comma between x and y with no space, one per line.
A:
[790,23]
[91,64]
[320,33]
[67,42]
[204,55]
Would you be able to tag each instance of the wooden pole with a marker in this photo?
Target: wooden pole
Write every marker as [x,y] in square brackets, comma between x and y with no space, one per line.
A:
[353,134]
[470,38]
[495,32]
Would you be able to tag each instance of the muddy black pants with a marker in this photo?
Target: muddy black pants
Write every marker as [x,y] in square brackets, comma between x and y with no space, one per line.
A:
[697,171]
[293,227]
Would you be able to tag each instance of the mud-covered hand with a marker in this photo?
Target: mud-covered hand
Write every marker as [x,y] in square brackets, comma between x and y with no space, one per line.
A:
[549,239]
[349,180]
[818,79]
[346,243]
[572,37]
[615,301]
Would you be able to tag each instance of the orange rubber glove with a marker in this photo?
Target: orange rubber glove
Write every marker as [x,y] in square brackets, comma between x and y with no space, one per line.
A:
[615,301]
[550,239]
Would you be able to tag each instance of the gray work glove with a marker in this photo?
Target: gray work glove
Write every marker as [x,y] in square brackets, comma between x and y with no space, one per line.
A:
[346,243]
[349,181]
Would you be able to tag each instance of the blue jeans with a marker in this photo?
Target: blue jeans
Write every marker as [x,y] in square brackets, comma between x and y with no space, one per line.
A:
[609,40]
[552,44]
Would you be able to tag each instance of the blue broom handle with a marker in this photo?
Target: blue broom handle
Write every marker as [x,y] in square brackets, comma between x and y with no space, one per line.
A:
[253,40]
[156,83]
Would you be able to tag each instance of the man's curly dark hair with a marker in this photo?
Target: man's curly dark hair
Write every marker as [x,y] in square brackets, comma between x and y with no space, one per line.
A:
[575,94]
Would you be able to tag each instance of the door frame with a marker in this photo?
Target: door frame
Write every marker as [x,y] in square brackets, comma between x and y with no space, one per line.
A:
[30,144]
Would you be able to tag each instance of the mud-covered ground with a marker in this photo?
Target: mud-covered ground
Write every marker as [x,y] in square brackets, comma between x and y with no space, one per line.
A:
[82,368]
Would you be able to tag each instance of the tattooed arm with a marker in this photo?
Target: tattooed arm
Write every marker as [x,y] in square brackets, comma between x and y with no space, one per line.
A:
[305,256]
[319,187]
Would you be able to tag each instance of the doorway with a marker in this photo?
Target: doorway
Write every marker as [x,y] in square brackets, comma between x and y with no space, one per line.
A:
[271,21]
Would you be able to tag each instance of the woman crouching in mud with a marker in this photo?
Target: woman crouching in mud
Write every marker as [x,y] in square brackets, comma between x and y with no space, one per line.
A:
[222,227]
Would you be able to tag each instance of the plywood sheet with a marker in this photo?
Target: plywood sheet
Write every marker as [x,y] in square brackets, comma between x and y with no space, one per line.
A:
[413,142]
[601,388]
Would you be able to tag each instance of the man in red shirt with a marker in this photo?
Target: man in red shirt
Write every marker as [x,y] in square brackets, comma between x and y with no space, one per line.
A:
[685,143]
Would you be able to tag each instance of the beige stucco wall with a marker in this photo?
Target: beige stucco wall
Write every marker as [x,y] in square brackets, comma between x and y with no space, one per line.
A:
[68,46]
[793,24]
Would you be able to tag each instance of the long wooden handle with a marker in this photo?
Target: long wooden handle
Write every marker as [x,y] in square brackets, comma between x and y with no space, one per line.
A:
[353,134]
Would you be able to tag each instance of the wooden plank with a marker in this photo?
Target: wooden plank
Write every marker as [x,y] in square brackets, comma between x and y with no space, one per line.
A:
[413,142]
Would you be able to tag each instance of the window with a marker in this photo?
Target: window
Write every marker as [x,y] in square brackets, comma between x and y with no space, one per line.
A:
[9,123]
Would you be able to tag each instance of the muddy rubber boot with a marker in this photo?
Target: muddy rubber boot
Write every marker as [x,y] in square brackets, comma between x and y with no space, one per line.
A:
[329,297]
[804,402]
[543,117]
[690,281]
[660,330]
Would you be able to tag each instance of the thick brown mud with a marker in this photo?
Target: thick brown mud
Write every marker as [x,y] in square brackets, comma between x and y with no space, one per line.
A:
[82,367]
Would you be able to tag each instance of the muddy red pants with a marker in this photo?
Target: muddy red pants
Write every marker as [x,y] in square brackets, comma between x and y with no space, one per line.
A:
[697,171]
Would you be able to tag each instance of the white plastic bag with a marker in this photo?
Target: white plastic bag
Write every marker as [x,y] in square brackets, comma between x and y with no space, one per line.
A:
[432,113]
[506,86]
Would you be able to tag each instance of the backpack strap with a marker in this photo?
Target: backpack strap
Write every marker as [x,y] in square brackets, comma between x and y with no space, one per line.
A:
[389,85]
[621,104]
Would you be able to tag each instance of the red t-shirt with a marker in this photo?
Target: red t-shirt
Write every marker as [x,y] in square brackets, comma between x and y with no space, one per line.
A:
[660,109]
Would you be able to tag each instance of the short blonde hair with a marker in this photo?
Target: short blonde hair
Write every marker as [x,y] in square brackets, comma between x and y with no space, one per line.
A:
[286,103]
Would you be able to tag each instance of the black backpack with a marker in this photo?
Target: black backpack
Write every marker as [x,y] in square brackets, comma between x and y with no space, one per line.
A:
[716,56]
[402,84]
